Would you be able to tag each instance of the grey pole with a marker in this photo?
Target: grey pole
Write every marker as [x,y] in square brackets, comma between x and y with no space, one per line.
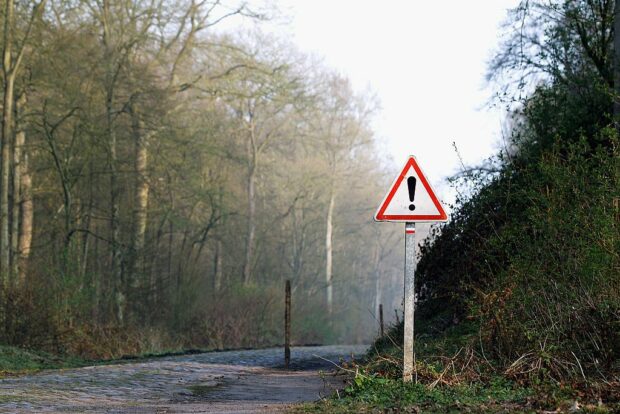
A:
[409,301]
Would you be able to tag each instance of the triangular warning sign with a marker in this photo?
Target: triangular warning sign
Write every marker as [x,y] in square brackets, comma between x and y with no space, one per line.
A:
[411,198]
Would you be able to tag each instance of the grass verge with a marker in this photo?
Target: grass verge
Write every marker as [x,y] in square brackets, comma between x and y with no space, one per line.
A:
[452,376]
[18,361]
[15,360]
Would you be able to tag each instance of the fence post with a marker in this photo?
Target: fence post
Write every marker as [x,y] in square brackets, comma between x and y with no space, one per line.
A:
[381,317]
[287,324]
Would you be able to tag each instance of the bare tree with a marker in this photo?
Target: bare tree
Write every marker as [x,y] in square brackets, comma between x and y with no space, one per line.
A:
[262,94]
[11,65]
[340,127]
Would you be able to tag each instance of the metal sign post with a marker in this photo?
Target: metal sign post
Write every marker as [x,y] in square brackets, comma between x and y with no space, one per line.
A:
[410,199]
[409,301]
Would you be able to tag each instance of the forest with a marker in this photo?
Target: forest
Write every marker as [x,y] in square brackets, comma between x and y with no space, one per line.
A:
[161,179]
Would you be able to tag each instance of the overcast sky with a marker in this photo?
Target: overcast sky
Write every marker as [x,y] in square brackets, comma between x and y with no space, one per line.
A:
[425,60]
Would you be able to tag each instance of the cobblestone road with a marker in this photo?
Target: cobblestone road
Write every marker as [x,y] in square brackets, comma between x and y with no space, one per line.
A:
[216,382]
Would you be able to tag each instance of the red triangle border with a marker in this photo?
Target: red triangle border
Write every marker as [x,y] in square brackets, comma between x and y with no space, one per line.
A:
[381,216]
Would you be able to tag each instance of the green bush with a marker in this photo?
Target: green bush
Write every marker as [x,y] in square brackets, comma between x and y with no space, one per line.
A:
[557,299]
[535,258]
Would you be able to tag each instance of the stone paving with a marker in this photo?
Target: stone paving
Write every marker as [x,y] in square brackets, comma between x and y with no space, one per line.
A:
[245,381]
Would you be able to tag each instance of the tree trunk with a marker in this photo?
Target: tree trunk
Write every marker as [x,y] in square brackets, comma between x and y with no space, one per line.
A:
[329,252]
[7,136]
[66,188]
[23,208]
[87,223]
[249,245]
[20,140]
[170,243]
[217,262]
[116,276]
[299,237]
[99,283]
[617,64]
[141,197]
[156,263]
[26,222]
[116,271]
[181,262]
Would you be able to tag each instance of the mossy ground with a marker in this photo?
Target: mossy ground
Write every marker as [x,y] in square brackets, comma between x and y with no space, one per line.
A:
[16,361]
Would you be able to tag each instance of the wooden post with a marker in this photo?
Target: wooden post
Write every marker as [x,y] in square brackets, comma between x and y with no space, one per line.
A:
[287,324]
[381,318]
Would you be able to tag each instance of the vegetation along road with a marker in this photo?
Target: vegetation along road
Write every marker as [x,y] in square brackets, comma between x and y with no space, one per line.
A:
[246,381]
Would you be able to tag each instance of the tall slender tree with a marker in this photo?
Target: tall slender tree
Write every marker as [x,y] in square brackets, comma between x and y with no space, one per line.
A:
[11,65]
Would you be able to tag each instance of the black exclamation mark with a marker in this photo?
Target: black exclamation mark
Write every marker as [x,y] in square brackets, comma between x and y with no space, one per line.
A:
[411,186]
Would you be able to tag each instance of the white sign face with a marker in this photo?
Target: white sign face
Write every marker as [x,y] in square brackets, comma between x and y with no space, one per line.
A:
[411,198]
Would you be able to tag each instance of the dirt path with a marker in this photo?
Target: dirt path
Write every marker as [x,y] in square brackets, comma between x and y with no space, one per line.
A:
[216,382]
